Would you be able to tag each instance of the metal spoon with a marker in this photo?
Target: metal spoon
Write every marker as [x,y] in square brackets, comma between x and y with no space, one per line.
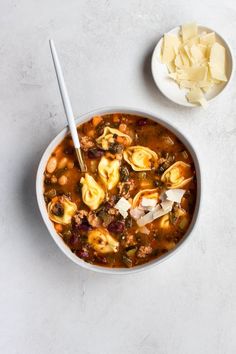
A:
[67,106]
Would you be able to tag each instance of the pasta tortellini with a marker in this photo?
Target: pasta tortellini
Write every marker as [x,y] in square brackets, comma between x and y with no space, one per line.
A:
[102,241]
[109,172]
[61,210]
[146,195]
[177,175]
[92,193]
[177,215]
[108,137]
[140,158]
[165,222]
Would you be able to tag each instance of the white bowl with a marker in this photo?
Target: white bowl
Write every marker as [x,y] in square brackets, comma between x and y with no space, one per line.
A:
[42,206]
[170,89]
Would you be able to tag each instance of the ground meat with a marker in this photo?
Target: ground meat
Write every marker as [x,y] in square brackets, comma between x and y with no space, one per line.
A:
[144,251]
[79,216]
[86,143]
[130,240]
[125,188]
[113,211]
[107,220]
[94,220]
[112,200]
[106,213]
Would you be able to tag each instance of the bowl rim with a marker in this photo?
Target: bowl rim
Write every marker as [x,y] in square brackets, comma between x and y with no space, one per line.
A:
[231,58]
[42,206]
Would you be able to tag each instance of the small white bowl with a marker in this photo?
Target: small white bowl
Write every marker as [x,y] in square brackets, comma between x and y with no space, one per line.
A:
[170,89]
[42,206]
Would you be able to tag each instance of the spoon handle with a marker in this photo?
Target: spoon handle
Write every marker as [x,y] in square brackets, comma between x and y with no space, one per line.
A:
[67,104]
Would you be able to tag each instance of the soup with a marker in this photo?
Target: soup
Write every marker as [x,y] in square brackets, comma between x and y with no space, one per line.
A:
[137,198]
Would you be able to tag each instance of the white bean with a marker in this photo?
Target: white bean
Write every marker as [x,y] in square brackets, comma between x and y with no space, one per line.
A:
[51,165]
[93,165]
[70,164]
[62,163]
[62,180]
[54,179]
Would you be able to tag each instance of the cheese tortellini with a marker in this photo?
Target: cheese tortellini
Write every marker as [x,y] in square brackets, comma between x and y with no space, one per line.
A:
[177,175]
[92,193]
[109,172]
[147,194]
[108,137]
[102,241]
[61,210]
[165,222]
[140,158]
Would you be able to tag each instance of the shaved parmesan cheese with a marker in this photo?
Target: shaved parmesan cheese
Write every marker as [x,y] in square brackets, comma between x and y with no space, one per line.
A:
[192,41]
[208,38]
[193,73]
[122,206]
[203,49]
[178,61]
[137,213]
[195,61]
[170,48]
[187,51]
[206,88]
[157,212]
[184,57]
[173,76]
[203,102]
[175,195]
[186,84]
[217,62]
[171,67]
[204,84]
[147,202]
[167,204]
[123,213]
[197,54]
[189,31]
[195,95]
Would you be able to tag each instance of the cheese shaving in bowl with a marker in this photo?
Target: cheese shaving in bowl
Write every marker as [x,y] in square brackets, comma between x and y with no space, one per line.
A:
[175,195]
[168,198]
[195,61]
[123,206]
[148,202]
[137,213]
[123,213]
[157,212]
[167,204]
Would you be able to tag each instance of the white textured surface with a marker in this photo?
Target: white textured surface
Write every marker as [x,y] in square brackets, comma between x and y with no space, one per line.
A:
[48,304]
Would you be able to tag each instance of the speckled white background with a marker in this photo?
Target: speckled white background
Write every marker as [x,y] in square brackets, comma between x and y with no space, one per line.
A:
[48,304]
